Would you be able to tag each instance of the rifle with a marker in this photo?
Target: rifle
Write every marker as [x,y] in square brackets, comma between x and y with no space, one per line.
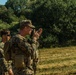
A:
[34,66]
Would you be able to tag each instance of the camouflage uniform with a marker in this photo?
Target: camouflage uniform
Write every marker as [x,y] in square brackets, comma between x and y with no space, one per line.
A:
[22,54]
[3,64]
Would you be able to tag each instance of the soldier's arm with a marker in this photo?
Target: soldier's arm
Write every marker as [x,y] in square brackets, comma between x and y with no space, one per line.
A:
[35,43]
[4,64]
[2,60]
[6,67]
[10,72]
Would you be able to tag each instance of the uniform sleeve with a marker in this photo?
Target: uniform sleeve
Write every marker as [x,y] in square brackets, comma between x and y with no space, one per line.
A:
[35,48]
[3,63]
[35,45]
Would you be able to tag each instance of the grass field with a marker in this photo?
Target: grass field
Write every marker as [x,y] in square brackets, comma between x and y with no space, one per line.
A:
[57,61]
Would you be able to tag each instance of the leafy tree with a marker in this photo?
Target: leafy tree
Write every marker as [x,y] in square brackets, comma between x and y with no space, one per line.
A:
[56,18]
[19,6]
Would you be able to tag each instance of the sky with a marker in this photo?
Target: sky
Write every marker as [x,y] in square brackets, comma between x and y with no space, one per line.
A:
[2,2]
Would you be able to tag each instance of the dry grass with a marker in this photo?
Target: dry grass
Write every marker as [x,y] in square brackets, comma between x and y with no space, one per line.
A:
[57,61]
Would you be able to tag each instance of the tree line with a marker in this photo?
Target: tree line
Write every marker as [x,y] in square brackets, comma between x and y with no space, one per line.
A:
[56,17]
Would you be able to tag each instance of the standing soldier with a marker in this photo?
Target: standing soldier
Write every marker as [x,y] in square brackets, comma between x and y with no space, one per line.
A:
[23,53]
[4,68]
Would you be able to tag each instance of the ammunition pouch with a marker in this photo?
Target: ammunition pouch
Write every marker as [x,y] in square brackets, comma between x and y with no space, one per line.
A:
[19,61]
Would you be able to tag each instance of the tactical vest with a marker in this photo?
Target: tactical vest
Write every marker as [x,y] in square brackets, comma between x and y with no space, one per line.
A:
[19,51]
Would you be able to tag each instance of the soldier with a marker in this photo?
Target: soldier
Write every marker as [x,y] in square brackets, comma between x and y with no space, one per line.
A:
[4,68]
[23,53]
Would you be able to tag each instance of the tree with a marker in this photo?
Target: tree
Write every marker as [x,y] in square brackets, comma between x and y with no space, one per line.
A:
[20,7]
[57,18]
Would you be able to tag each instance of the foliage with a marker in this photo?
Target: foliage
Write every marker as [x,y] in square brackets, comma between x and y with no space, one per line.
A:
[56,17]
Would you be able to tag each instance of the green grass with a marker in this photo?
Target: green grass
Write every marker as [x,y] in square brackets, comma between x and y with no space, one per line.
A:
[57,61]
